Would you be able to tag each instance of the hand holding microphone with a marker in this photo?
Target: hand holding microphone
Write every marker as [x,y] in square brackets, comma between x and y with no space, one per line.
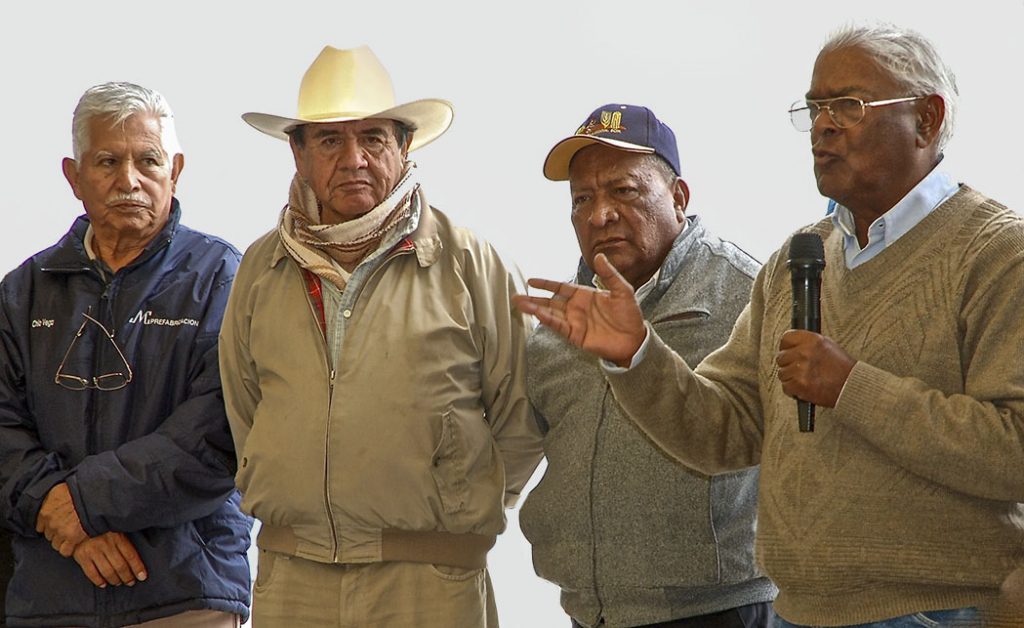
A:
[813,368]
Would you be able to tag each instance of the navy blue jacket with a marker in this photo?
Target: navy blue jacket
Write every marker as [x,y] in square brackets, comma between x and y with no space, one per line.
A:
[154,460]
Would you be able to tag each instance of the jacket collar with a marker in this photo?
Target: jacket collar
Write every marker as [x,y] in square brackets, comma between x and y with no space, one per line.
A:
[69,255]
[693,232]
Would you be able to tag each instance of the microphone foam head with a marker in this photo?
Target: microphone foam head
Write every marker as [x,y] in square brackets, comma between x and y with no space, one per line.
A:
[806,246]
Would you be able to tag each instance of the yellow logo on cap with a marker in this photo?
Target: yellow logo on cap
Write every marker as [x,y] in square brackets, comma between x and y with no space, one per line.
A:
[611,122]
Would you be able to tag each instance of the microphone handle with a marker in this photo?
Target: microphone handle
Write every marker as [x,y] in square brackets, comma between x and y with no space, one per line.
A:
[805,415]
[806,315]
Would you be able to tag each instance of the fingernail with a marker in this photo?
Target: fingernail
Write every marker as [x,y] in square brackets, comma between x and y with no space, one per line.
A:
[141,575]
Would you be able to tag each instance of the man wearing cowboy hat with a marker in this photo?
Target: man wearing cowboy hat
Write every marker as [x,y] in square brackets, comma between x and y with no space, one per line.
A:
[374,374]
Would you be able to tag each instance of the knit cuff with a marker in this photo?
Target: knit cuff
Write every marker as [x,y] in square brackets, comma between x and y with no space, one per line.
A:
[646,374]
[868,396]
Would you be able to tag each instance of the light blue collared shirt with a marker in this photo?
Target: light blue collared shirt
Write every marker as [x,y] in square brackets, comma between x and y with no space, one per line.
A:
[928,194]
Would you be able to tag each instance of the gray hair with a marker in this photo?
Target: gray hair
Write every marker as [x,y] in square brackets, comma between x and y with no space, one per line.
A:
[662,167]
[119,101]
[910,59]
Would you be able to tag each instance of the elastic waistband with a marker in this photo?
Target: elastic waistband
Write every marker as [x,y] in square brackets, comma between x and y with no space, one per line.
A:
[467,551]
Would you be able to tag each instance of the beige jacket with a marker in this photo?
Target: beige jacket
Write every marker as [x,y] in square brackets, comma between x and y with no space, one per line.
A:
[411,446]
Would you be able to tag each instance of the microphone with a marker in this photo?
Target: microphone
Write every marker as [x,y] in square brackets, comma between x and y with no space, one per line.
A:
[806,261]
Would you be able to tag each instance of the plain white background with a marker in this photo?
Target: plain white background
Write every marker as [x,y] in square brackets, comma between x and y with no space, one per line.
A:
[521,76]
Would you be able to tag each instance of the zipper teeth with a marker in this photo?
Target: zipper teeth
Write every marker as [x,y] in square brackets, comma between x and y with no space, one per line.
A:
[327,435]
[107,316]
[327,466]
[593,525]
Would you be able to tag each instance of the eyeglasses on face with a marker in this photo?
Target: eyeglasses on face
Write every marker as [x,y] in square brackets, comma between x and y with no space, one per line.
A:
[845,111]
[107,381]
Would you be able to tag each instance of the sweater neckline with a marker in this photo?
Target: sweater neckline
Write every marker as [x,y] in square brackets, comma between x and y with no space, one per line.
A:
[891,260]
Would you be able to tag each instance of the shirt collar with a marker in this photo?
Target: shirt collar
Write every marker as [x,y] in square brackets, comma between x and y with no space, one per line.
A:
[641,292]
[928,194]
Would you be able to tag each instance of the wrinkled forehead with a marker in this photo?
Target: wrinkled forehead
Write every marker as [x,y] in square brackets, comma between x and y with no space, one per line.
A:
[137,131]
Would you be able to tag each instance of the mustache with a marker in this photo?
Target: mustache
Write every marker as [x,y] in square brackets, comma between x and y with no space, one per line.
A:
[128,199]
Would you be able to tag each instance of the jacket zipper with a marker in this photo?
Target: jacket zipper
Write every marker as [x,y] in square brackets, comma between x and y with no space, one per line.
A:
[330,396]
[327,438]
[103,315]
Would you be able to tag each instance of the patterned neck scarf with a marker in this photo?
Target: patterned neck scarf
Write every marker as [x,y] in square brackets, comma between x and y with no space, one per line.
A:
[314,245]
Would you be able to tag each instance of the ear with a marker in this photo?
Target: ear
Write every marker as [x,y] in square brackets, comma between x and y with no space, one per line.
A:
[930,113]
[70,169]
[177,165]
[681,198]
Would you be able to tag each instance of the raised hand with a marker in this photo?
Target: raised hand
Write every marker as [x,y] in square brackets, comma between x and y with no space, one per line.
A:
[607,323]
[110,558]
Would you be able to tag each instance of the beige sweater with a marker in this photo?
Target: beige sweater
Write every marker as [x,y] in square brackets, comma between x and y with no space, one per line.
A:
[905,498]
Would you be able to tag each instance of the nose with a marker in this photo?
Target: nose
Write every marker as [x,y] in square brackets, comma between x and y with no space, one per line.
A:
[603,213]
[128,176]
[823,125]
[351,156]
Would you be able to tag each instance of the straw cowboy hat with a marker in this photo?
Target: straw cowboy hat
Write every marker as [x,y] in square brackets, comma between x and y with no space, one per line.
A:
[344,85]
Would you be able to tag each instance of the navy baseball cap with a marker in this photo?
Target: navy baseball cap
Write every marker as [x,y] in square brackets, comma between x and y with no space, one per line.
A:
[626,127]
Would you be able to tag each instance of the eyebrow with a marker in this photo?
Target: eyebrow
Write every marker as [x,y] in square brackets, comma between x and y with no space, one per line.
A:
[838,93]
[619,180]
[325,132]
[378,130]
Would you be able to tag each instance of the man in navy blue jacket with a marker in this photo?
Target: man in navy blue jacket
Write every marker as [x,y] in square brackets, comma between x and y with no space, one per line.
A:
[116,461]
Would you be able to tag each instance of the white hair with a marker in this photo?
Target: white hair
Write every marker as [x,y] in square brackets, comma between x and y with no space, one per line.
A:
[118,102]
[910,59]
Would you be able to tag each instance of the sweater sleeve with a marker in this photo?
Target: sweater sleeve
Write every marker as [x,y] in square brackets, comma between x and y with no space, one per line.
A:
[711,418]
[972,440]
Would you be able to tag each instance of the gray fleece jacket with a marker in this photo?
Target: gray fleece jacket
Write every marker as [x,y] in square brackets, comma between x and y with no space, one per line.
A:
[629,535]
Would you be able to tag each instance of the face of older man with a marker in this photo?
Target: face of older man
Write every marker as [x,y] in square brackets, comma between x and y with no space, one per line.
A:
[870,166]
[125,179]
[350,166]
[623,206]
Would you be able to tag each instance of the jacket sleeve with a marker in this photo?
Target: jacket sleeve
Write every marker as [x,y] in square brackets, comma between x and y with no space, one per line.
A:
[711,419]
[971,441]
[237,368]
[184,469]
[503,373]
[27,470]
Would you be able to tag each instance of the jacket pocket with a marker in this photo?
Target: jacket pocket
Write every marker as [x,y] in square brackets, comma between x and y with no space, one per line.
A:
[693,315]
[265,565]
[448,466]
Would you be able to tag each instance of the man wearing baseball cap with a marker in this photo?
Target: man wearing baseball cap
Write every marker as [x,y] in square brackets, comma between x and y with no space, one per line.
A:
[632,537]
[374,374]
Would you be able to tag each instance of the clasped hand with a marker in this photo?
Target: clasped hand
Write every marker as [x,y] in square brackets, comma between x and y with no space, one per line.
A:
[58,520]
[109,558]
